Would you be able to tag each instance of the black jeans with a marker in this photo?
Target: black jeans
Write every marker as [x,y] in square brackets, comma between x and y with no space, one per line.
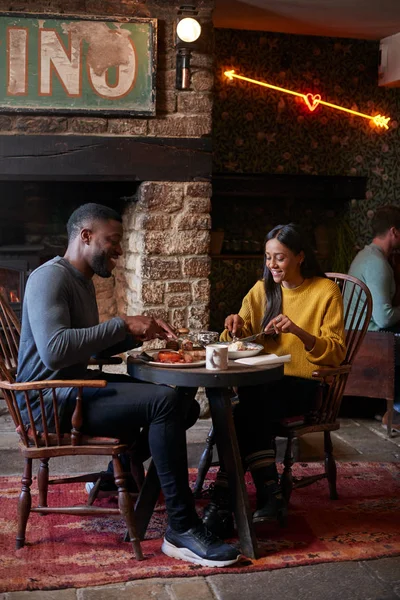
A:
[261,405]
[125,406]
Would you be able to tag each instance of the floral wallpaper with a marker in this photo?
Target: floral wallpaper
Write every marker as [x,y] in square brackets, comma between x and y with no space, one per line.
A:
[259,130]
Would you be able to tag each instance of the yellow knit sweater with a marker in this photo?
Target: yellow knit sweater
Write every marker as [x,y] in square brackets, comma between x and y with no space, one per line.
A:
[316,306]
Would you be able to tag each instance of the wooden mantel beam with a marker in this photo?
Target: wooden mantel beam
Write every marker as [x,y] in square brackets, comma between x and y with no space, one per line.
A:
[104,158]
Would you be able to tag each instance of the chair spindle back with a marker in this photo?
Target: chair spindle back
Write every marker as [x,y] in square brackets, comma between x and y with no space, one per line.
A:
[10,333]
[357,305]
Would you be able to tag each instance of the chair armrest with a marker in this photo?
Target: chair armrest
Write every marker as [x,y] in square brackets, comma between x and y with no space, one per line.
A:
[111,360]
[54,383]
[331,371]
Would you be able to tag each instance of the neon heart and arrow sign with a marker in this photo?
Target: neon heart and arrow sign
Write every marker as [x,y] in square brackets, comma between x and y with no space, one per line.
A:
[313,100]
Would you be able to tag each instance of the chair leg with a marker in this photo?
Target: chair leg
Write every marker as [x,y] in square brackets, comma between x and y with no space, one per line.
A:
[390,412]
[43,481]
[24,503]
[330,465]
[137,472]
[126,507]
[204,463]
[94,492]
[287,475]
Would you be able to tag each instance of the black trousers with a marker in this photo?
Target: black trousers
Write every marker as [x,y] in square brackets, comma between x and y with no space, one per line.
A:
[261,406]
[123,408]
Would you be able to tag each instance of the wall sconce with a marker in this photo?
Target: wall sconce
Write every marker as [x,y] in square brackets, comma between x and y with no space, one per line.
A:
[188,30]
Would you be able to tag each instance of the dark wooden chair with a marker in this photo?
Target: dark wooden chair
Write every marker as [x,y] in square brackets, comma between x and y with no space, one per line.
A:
[10,333]
[357,302]
[357,314]
[37,442]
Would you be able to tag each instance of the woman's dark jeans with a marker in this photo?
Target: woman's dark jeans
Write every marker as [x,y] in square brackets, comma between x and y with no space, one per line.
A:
[261,406]
[125,406]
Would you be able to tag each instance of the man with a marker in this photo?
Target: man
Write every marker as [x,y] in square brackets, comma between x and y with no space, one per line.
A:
[371,265]
[61,331]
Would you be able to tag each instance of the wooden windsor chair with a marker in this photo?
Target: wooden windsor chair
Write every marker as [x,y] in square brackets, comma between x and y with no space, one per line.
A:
[37,442]
[357,301]
[10,333]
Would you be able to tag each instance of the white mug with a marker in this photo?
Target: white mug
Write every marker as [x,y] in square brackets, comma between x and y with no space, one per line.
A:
[216,357]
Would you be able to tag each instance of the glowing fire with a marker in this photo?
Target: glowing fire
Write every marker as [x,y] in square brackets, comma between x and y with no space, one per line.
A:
[9,294]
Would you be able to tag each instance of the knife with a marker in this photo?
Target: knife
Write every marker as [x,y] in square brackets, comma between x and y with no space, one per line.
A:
[250,338]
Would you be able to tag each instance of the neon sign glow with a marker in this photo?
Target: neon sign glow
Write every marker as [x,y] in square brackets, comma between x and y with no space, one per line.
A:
[313,100]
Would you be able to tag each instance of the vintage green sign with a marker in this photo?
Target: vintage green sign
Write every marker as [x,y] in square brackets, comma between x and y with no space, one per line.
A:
[77,64]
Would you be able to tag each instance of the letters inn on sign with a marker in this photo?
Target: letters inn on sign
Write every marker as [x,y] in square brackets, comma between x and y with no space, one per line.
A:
[65,64]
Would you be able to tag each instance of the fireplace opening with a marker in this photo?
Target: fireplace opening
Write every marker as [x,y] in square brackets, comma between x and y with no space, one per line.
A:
[33,218]
[10,285]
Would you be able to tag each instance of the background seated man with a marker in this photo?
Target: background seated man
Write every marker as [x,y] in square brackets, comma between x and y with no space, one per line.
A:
[371,265]
[61,331]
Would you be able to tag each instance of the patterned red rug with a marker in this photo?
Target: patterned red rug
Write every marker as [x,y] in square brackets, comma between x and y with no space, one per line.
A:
[66,551]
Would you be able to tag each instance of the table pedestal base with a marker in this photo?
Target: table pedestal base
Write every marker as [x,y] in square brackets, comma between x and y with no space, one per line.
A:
[225,434]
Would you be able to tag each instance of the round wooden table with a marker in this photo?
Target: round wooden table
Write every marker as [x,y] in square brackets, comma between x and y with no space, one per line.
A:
[217,384]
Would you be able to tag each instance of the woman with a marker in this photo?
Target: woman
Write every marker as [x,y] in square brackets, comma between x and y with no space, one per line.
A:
[301,313]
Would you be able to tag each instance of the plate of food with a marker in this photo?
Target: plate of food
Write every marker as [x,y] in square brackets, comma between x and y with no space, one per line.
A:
[175,359]
[242,349]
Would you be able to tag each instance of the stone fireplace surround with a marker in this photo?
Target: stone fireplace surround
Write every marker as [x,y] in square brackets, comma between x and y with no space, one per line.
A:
[166,265]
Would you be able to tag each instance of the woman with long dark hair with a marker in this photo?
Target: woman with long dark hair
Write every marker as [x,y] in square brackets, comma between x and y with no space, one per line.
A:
[300,312]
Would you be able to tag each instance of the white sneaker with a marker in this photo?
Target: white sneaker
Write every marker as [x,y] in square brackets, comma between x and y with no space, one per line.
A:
[89,485]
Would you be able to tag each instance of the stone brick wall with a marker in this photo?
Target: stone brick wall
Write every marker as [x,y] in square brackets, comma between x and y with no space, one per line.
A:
[166,264]
[165,268]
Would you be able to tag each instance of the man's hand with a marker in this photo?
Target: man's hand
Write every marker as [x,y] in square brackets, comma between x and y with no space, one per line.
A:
[234,324]
[147,328]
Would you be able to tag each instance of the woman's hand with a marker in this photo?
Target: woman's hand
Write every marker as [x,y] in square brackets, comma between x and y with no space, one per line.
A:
[234,324]
[282,324]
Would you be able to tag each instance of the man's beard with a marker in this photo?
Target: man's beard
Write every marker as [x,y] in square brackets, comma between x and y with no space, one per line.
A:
[100,265]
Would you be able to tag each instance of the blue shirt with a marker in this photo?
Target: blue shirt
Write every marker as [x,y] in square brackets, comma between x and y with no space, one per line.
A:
[372,267]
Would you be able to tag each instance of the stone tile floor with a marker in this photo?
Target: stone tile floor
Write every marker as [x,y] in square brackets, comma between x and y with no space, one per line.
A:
[358,439]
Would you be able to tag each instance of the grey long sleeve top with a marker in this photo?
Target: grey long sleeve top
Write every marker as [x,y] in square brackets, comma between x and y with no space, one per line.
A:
[61,330]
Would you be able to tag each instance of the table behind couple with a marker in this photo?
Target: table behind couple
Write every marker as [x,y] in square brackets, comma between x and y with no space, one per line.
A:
[217,384]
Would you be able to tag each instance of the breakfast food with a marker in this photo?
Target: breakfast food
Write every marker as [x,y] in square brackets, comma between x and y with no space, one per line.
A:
[182,343]
[186,344]
[170,356]
[172,345]
[237,346]
[198,354]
